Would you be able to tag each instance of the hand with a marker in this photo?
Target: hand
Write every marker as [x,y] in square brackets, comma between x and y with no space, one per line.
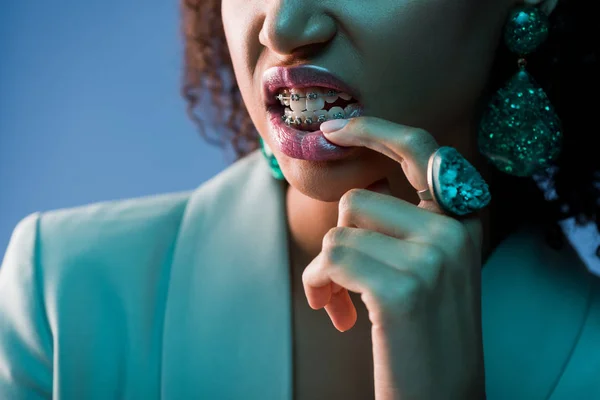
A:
[418,272]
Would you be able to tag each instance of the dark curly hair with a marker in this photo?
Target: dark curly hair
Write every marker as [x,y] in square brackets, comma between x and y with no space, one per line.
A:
[566,66]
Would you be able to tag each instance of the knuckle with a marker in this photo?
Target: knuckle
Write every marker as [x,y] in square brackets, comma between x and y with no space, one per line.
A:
[457,232]
[350,199]
[433,258]
[416,138]
[335,254]
[336,236]
[452,233]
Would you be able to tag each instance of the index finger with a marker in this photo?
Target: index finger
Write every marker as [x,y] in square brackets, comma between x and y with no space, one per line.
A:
[411,147]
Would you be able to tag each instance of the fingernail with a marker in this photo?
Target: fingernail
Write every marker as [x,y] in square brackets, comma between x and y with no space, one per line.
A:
[333,125]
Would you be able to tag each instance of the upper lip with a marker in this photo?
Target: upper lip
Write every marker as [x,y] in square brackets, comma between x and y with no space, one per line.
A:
[301,76]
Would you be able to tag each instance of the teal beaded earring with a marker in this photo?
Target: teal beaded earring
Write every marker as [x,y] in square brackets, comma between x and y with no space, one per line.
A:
[271,160]
[519,132]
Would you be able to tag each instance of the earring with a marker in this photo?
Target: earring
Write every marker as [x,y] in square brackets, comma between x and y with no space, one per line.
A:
[519,132]
[271,160]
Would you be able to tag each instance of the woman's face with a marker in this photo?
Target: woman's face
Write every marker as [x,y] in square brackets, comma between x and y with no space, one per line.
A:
[420,63]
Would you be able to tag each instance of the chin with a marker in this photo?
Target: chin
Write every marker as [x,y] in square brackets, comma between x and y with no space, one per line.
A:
[326,181]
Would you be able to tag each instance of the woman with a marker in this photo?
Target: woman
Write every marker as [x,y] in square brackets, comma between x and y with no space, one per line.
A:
[364,204]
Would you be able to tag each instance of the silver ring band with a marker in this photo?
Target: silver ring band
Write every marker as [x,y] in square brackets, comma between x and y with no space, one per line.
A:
[425,194]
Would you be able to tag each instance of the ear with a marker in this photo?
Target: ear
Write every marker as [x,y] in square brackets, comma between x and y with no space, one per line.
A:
[546,6]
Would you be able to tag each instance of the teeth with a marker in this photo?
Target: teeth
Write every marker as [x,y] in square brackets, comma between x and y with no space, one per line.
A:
[284,98]
[336,113]
[310,98]
[331,99]
[298,102]
[309,118]
[352,110]
[315,103]
[306,106]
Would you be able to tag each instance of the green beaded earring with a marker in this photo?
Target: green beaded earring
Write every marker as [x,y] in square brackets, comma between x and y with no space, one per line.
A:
[271,160]
[519,132]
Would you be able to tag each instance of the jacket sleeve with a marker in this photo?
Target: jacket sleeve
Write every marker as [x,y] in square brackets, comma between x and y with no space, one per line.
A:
[25,336]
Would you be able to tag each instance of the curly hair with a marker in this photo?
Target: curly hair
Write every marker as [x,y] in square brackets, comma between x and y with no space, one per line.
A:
[566,66]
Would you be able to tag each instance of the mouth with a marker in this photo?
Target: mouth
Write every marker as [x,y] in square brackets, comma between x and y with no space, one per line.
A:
[298,100]
[306,109]
[308,95]
[304,143]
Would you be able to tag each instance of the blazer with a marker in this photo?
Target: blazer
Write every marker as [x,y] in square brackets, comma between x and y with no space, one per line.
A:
[187,296]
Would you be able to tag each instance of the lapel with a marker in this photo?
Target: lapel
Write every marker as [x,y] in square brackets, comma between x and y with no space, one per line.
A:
[227,328]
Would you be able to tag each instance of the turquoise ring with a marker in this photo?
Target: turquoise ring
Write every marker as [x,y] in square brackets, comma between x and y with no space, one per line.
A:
[454,184]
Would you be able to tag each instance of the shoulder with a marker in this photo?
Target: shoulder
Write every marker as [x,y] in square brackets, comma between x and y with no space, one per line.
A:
[536,302]
[66,268]
[111,225]
[137,232]
[98,239]
[107,267]
[120,229]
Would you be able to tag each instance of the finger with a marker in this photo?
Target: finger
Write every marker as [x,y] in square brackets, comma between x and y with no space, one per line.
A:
[411,147]
[354,271]
[341,310]
[324,272]
[385,290]
[398,219]
[389,215]
[419,258]
[363,262]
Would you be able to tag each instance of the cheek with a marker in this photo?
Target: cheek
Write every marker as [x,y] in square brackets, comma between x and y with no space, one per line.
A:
[236,19]
[230,24]
[434,58]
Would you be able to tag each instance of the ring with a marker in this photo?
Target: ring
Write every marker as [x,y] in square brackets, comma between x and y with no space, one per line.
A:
[454,184]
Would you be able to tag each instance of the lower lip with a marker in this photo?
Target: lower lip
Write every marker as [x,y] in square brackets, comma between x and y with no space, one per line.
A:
[304,145]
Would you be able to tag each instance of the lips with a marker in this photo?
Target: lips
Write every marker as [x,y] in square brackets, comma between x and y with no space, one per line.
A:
[303,76]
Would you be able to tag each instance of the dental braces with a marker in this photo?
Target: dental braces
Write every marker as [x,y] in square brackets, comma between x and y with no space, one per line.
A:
[308,121]
[309,96]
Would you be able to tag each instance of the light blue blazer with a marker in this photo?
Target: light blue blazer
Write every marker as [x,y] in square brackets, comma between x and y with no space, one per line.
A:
[187,296]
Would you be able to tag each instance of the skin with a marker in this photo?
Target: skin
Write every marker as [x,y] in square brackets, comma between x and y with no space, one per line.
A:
[421,68]
[441,52]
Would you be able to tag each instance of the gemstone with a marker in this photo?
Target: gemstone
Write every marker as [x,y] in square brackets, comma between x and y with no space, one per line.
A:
[519,131]
[458,187]
[526,28]
[272,161]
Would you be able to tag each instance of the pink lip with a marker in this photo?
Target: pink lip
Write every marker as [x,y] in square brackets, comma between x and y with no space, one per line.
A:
[302,145]
[299,77]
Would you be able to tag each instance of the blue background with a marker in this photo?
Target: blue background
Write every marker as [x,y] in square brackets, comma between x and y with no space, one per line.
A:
[90,108]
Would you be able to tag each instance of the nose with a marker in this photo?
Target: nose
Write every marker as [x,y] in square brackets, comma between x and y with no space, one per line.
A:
[296,27]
